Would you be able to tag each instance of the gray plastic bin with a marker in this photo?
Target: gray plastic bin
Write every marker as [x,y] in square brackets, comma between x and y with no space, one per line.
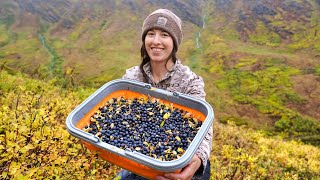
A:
[153,167]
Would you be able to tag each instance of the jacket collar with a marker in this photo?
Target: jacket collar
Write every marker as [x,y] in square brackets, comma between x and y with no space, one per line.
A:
[147,70]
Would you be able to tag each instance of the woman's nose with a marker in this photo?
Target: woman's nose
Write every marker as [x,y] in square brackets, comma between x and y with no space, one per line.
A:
[156,39]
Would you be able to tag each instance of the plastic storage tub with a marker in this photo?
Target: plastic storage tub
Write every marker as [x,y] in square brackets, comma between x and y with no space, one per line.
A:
[133,161]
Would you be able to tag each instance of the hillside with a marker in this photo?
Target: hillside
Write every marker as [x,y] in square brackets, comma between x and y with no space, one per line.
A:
[260,61]
[61,35]
[34,142]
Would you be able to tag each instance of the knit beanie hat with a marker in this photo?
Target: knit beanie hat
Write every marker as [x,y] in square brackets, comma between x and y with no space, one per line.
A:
[165,20]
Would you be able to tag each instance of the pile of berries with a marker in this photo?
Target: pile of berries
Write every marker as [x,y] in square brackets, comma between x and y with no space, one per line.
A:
[145,125]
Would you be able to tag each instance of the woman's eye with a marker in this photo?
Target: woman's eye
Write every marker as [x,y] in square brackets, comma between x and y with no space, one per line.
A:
[150,33]
[165,34]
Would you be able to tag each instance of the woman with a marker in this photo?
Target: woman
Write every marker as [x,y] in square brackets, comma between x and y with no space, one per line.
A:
[160,67]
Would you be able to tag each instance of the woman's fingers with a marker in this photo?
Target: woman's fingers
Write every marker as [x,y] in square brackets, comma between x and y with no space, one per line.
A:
[186,174]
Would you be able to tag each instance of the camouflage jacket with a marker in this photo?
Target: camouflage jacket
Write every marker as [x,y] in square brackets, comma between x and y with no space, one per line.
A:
[179,79]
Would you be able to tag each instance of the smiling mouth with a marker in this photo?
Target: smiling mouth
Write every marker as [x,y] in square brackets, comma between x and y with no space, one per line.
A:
[156,50]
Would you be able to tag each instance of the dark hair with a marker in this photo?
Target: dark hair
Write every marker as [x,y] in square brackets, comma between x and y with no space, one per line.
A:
[145,58]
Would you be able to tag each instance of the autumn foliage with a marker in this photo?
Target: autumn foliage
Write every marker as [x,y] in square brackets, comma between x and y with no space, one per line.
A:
[34,142]
[239,152]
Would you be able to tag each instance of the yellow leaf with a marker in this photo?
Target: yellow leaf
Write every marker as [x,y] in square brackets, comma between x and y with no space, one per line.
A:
[69,70]
[35,123]
[23,129]
[174,152]
[64,159]
[93,172]
[26,148]
[31,172]
[22,88]
[195,121]
[180,150]
[22,177]
[14,167]
[111,101]
[4,174]
[111,125]
[10,144]
[187,115]
[166,116]
[178,138]
[162,123]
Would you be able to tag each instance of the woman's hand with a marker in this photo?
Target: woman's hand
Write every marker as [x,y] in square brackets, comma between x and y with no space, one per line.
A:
[187,172]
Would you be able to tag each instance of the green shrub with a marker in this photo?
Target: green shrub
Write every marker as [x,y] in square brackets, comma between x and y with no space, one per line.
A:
[296,124]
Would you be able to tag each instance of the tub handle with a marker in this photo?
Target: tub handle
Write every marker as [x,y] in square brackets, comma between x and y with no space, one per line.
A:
[88,137]
[175,94]
[148,86]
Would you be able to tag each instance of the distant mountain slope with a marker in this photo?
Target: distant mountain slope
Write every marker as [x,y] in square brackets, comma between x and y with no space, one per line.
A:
[68,13]
[293,24]
[271,22]
[263,60]
[82,33]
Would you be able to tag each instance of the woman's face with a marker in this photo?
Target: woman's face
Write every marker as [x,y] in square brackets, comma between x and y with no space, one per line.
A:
[159,45]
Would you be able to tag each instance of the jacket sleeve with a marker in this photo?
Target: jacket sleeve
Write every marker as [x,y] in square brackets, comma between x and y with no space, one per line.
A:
[133,73]
[196,88]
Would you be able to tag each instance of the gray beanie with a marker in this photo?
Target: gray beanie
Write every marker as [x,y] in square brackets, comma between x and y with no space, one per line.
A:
[165,20]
